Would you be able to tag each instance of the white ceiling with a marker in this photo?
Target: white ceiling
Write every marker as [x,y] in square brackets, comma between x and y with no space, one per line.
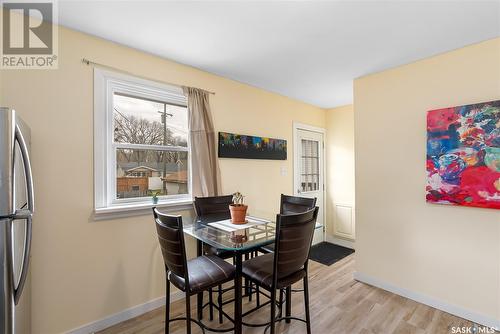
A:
[310,51]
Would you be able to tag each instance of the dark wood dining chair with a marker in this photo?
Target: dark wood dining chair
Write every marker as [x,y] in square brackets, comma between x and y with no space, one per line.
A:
[193,276]
[214,206]
[290,205]
[288,264]
[218,206]
[296,204]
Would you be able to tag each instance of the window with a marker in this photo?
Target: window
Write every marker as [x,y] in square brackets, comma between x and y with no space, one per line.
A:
[309,177]
[141,142]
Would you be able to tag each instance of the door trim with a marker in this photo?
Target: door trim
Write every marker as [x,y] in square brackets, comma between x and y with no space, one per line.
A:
[301,126]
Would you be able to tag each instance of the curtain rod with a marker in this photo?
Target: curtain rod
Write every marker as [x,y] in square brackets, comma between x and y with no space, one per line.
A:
[90,62]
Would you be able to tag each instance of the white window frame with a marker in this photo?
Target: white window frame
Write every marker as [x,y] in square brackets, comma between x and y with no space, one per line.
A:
[106,84]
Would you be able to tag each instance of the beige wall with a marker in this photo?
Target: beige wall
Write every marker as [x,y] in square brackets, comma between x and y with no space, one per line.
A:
[85,270]
[340,160]
[451,254]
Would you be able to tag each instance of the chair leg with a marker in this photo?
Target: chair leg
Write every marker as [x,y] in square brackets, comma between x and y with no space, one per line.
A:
[250,291]
[210,303]
[219,300]
[199,302]
[167,307]
[257,295]
[288,303]
[199,297]
[273,310]
[281,303]
[306,305]
[188,314]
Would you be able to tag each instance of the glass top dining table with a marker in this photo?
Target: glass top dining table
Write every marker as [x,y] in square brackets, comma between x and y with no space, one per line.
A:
[239,240]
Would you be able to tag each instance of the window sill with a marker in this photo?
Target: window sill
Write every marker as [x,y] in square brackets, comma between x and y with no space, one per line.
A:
[141,209]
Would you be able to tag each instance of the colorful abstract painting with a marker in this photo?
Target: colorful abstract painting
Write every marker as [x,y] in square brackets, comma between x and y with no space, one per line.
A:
[251,147]
[463,155]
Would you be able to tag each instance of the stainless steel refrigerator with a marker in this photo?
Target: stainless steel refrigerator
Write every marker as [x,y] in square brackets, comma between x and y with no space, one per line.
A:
[16,209]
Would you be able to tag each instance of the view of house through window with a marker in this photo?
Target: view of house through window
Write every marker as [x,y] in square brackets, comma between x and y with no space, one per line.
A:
[151,151]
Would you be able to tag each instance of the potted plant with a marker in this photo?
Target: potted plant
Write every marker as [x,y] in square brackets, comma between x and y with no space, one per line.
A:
[155,196]
[238,209]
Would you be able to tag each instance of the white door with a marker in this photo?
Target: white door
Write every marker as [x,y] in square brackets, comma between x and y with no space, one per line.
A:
[309,170]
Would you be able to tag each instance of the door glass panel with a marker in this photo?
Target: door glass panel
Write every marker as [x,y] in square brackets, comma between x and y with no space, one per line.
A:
[309,174]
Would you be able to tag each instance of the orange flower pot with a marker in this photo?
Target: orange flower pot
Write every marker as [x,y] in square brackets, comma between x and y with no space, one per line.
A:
[238,213]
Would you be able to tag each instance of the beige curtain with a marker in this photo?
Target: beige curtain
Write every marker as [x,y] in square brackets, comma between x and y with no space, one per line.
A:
[205,171]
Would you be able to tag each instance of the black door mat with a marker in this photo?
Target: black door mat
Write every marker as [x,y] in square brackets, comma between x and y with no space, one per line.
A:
[327,253]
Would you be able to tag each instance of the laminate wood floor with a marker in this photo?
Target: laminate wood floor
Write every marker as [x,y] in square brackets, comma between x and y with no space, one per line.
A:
[338,304]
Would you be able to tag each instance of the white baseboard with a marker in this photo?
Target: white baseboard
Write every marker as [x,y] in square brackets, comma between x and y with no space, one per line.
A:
[125,315]
[430,301]
[341,242]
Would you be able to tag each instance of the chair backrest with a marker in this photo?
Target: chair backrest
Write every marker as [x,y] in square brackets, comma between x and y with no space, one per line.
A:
[212,205]
[294,204]
[171,238]
[294,234]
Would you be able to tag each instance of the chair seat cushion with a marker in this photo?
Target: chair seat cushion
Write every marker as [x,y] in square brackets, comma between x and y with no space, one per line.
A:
[222,253]
[204,272]
[260,269]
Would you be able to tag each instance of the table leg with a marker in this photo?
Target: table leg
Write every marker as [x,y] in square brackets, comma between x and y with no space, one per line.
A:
[199,296]
[237,302]
[288,303]
[247,283]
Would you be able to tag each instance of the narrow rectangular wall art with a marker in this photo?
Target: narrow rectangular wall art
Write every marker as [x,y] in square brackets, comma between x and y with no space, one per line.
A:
[463,155]
[251,147]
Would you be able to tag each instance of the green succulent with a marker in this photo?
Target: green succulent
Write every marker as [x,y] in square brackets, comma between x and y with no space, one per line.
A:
[237,198]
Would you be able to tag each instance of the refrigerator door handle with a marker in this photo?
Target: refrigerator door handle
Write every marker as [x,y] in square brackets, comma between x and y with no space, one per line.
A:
[26,259]
[27,168]
[25,214]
